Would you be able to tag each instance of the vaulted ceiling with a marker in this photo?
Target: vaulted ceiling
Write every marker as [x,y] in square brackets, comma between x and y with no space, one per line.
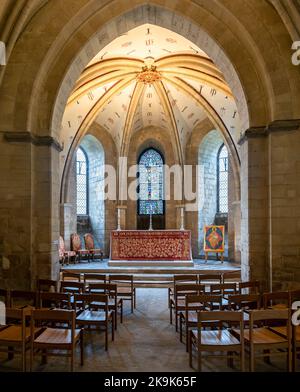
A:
[150,76]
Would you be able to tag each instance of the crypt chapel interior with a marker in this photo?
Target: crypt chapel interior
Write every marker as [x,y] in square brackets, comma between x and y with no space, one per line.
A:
[102,102]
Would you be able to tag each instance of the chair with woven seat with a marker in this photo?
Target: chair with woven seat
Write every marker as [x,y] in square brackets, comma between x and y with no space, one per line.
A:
[177,303]
[15,338]
[76,247]
[126,289]
[218,340]
[65,255]
[193,304]
[114,302]
[86,316]
[55,341]
[260,337]
[90,246]
[181,279]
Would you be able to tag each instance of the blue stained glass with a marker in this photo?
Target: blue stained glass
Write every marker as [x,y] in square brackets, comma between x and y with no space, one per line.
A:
[151,183]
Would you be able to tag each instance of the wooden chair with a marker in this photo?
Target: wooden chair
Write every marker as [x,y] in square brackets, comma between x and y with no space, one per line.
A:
[15,339]
[251,287]
[46,285]
[114,303]
[5,296]
[194,304]
[65,255]
[23,298]
[224,289]
[276,300]
[76,247]
[220,340]
[55,341]
[178,302]
[86,316]
[244,301]
[263,339]
[55,300]
[126,289]
[90,246]
[181,279]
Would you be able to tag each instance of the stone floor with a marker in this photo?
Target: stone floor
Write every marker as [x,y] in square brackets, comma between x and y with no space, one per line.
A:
[144,342]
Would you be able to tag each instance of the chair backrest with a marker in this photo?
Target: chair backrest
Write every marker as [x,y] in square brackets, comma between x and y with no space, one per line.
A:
[230,275]
[72,287]
[122,280]
[56,300]
[107,288]
[90,278]
[204,301]
[46,285]
[193,278]
[71,276]
[89,241]
[210,277]
[63,316]
[276,298]
[244,301]
[85,300]
[75,242]
[181,290]
[61,248]
[23,297]
[223,289]
[251,287]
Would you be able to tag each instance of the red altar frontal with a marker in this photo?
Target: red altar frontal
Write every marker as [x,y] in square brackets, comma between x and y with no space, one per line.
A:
[160,245]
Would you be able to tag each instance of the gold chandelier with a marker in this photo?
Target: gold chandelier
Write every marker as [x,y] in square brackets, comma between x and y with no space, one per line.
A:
[149,75]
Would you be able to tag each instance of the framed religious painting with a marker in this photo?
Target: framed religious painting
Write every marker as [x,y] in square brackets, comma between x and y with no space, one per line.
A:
[214,241]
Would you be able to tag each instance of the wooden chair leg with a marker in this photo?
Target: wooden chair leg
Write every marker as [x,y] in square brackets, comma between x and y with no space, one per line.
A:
[134,296]
[121,310]
[81,347]
[113,329]
[176,321]
[180,328]
[171,314]
[132,303]
[190,349]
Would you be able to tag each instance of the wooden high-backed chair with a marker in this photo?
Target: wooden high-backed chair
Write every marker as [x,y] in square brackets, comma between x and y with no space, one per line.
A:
[219,340]
[90,246]
[65,255]
[76,247]
[54,341]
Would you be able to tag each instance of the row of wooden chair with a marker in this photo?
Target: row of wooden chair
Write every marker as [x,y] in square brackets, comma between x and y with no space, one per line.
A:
[55,328]
[259,341]
[77,252]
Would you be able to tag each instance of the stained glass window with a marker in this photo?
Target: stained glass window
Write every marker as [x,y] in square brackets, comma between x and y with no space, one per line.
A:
[223,180]
[82,182]
[151,183]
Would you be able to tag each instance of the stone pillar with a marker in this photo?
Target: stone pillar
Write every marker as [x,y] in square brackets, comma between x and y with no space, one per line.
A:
[254,205]
[284,203]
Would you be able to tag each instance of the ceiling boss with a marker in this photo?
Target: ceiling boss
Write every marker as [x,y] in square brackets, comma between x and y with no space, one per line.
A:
[149,73]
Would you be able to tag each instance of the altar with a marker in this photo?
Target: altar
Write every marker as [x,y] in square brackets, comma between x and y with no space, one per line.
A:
[150,247]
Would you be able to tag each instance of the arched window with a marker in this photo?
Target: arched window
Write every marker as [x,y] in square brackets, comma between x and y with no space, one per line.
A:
[82,182]
[222,190]
[151,193]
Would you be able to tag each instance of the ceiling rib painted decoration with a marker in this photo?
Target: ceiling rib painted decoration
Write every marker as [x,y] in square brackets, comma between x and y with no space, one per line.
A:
[150,76]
